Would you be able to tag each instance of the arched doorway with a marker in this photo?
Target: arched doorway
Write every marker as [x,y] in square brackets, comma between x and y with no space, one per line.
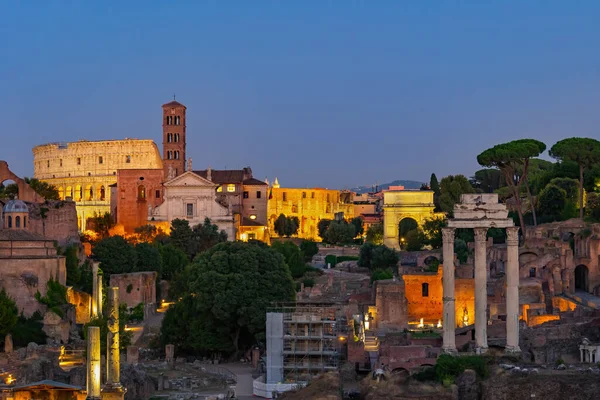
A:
[581,278]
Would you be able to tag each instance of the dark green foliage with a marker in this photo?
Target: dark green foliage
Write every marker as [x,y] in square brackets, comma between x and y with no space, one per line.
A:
[232,285]
[331,259]
[148,259]
[286,226]
[339,232]
[359,228]
[461,250]
[293,257]
[55,297]
[136,313]
[414,241]
[407,225]
[593,206]
[570,186]
[377,257]
[146,233]
[432,231]
[193,241]
[9,191]
[382,274]
[552,202]
[322,227]
[44,189]
[449,368]
[309,249]
[8,313]
[346,258]
[451,187]
[583,151]
[72,264]
[488,180]
[28,330]
[174,261]
[308,282]
[101,224]
[86,278]
[375,234]
[116,255]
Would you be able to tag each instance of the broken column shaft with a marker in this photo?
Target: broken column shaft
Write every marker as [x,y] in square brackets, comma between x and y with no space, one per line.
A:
[113,377]
[93,363]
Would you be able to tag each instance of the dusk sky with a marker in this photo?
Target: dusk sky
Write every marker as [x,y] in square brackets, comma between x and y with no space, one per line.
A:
[318,93]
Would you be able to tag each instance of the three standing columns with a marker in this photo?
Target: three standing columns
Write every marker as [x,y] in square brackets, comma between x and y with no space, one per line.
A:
[512,291]
[481,318]
[480,290]
[449,317]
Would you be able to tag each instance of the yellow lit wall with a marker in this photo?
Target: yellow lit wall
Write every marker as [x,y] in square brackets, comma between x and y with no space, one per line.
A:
[85,170]
[309,205]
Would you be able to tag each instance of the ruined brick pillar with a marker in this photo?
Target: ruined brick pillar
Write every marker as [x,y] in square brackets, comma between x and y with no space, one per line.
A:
[480,290]
[449,316]
[113,361]
[170,354]
[512,290]
[93,363]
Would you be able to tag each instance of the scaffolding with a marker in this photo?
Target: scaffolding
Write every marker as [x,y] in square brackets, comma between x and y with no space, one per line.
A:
[311,341]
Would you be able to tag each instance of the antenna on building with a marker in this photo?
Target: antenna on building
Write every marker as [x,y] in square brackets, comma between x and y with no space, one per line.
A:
[173,96]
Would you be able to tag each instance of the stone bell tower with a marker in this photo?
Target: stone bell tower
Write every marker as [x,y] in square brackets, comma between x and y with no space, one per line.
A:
[173,139]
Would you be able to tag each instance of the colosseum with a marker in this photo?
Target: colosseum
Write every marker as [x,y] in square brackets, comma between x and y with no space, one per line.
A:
[85,170]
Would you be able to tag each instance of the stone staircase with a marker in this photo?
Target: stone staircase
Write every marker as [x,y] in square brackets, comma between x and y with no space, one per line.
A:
[371,343]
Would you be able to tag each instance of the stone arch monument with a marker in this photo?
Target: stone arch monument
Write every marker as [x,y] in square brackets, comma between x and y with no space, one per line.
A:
[26,193]
[481,212]
[401,204]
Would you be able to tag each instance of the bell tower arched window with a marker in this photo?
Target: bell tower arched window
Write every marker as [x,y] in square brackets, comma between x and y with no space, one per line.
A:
[141,192]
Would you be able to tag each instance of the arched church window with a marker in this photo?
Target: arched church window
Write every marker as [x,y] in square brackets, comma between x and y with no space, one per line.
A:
[9,221]
[425,289]
[17,222]
[24,222]
[141,192]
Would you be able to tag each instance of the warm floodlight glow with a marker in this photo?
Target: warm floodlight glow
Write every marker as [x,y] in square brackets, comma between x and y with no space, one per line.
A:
[439,324]
[421,325]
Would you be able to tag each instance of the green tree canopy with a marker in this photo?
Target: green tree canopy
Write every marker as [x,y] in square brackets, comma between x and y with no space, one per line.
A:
[511,158]
[584,151]
[376,257]
[552,202]
[8,313]
[44,189]
[309,248]
[451,188]
[232,286]
[340,232]
[116,255]
[208,235]
[570,186]
[101,224]
[182,237]
[72,265]
[174,261]
[432,231]
[488,180]
[322,227]
[358,226]
[414,241]
[435,187]
[375,234]
[406,225]
[293,257]
[286,226]
[148,259]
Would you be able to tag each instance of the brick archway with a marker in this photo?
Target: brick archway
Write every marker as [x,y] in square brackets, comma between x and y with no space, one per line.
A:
[26,193]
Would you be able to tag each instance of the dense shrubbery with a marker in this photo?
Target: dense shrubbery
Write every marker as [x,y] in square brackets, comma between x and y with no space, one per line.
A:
[447,368]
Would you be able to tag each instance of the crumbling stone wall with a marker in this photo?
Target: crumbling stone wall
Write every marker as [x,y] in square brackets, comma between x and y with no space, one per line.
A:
[135,288]
[83,304]
[55,220]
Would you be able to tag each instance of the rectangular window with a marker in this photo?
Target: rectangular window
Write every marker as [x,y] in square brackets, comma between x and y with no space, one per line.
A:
[252,236]
[61,162]
[312,195]
[231,188]
[258,194]
[127,159]
[284,196]
[100,160]
[78,160]
[158,194]
[190,210]
[219,189]
[48,163]
[303,195]
[245,195]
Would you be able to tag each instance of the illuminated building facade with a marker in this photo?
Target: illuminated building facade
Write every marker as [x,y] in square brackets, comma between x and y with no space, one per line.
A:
[309,205]
[84,171]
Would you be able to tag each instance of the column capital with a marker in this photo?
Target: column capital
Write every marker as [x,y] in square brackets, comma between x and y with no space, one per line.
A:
[512,235]
[448,235]
[480,234]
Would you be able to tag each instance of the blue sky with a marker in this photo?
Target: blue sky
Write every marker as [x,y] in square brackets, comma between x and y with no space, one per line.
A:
[317,93]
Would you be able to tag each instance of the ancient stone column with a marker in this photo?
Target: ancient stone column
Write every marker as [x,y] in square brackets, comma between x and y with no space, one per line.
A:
[170,354]
[113,362]
[512,290]
[99,298]
[449,317]
[93,363]
[480,290]
[8,343]
[95,267]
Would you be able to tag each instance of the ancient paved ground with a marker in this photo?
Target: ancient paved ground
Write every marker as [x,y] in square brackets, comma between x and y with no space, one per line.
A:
[587,299]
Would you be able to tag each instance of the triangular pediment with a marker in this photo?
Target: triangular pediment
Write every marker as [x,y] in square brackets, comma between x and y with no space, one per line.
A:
[190,179]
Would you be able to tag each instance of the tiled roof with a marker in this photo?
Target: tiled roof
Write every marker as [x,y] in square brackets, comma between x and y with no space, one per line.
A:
[254,182]
[174,104]
[19,234]
[221,176]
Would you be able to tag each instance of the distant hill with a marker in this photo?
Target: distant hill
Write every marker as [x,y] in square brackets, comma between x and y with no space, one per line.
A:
[406,184]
